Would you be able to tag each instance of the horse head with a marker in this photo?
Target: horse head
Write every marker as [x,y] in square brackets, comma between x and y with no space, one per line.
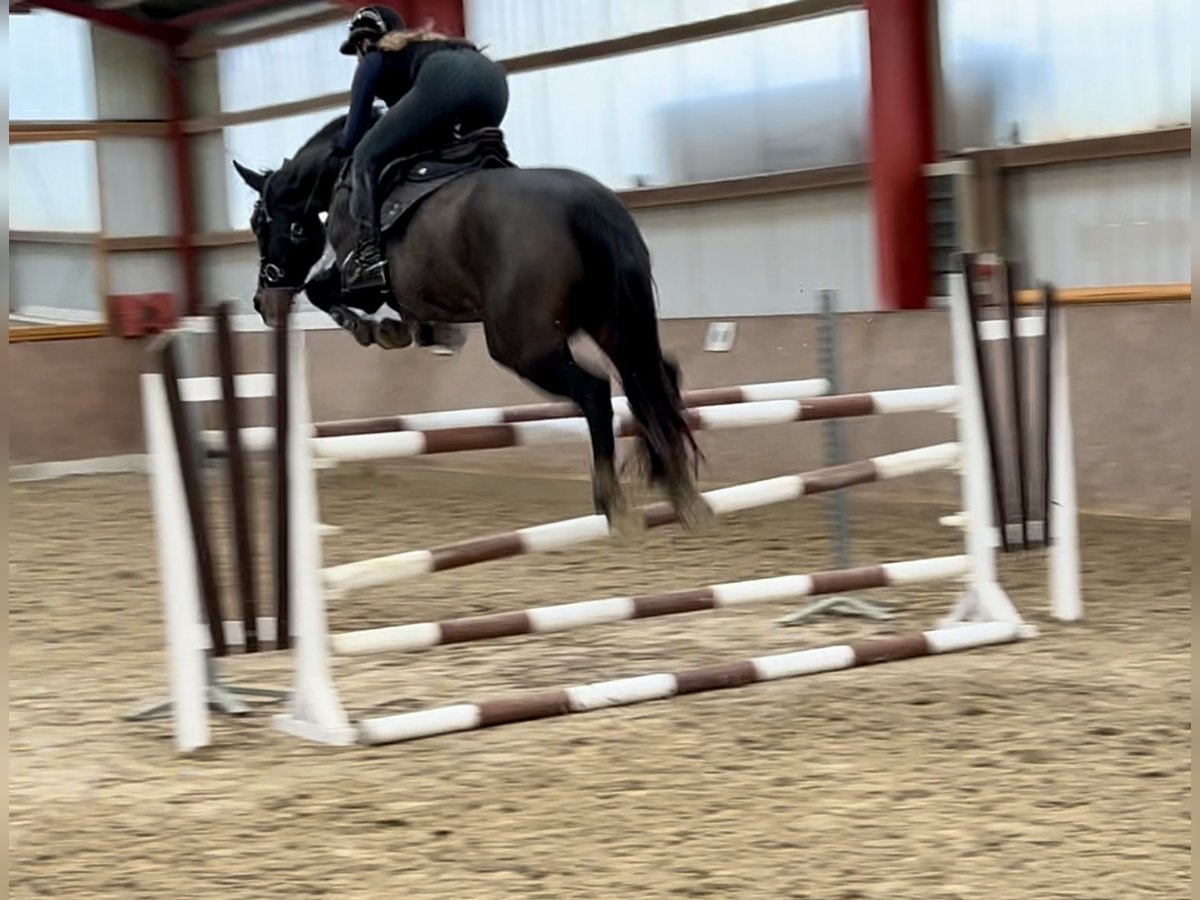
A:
[289,232]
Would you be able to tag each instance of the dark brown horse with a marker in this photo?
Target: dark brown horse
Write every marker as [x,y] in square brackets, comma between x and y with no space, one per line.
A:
[536,255]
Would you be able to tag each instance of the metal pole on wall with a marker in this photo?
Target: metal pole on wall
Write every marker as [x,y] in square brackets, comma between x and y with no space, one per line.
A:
[835,448]
[835,455]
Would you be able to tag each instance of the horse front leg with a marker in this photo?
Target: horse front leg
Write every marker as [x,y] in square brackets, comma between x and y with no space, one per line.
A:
[324,290]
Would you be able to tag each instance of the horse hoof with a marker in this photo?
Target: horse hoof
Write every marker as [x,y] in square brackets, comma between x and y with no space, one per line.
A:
[393,335]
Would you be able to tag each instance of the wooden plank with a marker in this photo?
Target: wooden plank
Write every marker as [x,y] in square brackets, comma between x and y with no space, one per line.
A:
[76,238]
[1172,292]
[140,243]
[1117,146]
[31,132]
[772,184]
[24,334]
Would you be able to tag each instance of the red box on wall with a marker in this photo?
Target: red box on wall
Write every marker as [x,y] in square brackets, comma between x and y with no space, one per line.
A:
[138,315]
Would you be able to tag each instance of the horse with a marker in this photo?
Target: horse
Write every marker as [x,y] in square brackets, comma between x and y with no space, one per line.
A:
[537,255]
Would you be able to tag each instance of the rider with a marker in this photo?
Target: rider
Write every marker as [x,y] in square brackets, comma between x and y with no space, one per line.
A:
[430,82]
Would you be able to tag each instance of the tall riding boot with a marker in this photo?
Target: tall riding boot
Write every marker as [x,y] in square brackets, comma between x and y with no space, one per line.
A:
[365,269]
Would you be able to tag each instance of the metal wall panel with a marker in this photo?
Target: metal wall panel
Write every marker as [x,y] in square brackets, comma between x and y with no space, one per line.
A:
[137,187]
[1121,222]
[55,277]
[766,256]
[53,187]
[130,76]
[145,272]
[210,175]
[229,273]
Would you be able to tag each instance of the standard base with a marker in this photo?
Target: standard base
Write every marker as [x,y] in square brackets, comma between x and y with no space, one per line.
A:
[221,699]
[987,602]
[846,606]
[338,736]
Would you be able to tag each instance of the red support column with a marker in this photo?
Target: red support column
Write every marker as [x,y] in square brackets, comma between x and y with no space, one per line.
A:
[189,263]
[447,15]
[902,127]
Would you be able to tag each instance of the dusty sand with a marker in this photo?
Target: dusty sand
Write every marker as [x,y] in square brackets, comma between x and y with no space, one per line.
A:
[1056,768]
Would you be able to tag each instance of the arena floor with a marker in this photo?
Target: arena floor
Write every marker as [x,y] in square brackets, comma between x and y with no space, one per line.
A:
[1057,768]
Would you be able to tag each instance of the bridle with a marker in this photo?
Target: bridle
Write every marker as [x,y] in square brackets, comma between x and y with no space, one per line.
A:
[271,275]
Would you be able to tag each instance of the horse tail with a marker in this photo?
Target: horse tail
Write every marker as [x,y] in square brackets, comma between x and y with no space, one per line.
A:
[617,266]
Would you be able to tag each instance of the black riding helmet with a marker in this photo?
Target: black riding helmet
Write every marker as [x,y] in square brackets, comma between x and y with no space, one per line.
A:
[371,22]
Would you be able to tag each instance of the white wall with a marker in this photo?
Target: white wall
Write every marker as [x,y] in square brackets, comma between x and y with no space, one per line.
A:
[1121,222]
[767,256]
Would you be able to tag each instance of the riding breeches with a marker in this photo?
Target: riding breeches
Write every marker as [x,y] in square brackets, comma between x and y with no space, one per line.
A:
[453,87]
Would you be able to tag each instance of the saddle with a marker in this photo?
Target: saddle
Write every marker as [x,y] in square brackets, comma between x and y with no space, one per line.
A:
[406,182]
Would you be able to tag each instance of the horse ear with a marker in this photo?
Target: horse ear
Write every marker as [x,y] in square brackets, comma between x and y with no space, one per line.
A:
[256,180]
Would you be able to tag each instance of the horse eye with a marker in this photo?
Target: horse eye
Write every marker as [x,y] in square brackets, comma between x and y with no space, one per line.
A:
[297,231]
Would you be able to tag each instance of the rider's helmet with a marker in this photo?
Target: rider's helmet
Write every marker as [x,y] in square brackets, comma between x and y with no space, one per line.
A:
[371,22]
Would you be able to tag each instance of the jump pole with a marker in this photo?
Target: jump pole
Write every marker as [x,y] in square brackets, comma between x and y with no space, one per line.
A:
[584,529]
[585,613]
[262,438]
[661,686]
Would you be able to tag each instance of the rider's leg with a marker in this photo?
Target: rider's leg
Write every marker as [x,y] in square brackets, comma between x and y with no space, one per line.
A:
[451,85]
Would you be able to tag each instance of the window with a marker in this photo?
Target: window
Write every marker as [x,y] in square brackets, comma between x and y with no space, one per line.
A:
[788,97]
[50,67]
[284,69]
[1027,71]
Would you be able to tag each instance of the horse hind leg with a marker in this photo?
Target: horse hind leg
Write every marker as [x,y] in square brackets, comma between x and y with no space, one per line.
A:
[666,446]
[558,373]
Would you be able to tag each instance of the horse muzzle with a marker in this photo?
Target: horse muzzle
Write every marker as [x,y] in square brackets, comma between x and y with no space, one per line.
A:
[273,304]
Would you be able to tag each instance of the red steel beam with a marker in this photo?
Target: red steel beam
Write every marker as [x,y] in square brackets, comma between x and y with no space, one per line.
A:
[164,34]
[902,121]
[447,15]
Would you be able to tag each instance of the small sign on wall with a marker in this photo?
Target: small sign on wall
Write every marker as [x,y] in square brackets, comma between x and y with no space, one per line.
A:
[720,337]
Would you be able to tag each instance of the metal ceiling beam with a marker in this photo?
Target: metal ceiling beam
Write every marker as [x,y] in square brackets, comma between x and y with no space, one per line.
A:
[225,12]
[110,19]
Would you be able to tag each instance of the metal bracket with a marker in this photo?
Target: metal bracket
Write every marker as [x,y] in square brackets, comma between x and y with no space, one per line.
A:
[222,698]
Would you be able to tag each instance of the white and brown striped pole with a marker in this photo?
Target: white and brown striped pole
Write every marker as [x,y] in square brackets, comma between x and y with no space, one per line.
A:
[570,532]
[536,412]
[397,444]
[262,438]
[627,691]
[567,616]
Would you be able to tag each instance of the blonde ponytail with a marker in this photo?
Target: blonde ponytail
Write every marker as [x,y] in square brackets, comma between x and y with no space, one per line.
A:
[395,41]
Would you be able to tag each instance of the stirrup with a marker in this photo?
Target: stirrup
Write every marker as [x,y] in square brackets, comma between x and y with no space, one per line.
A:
[371,274]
